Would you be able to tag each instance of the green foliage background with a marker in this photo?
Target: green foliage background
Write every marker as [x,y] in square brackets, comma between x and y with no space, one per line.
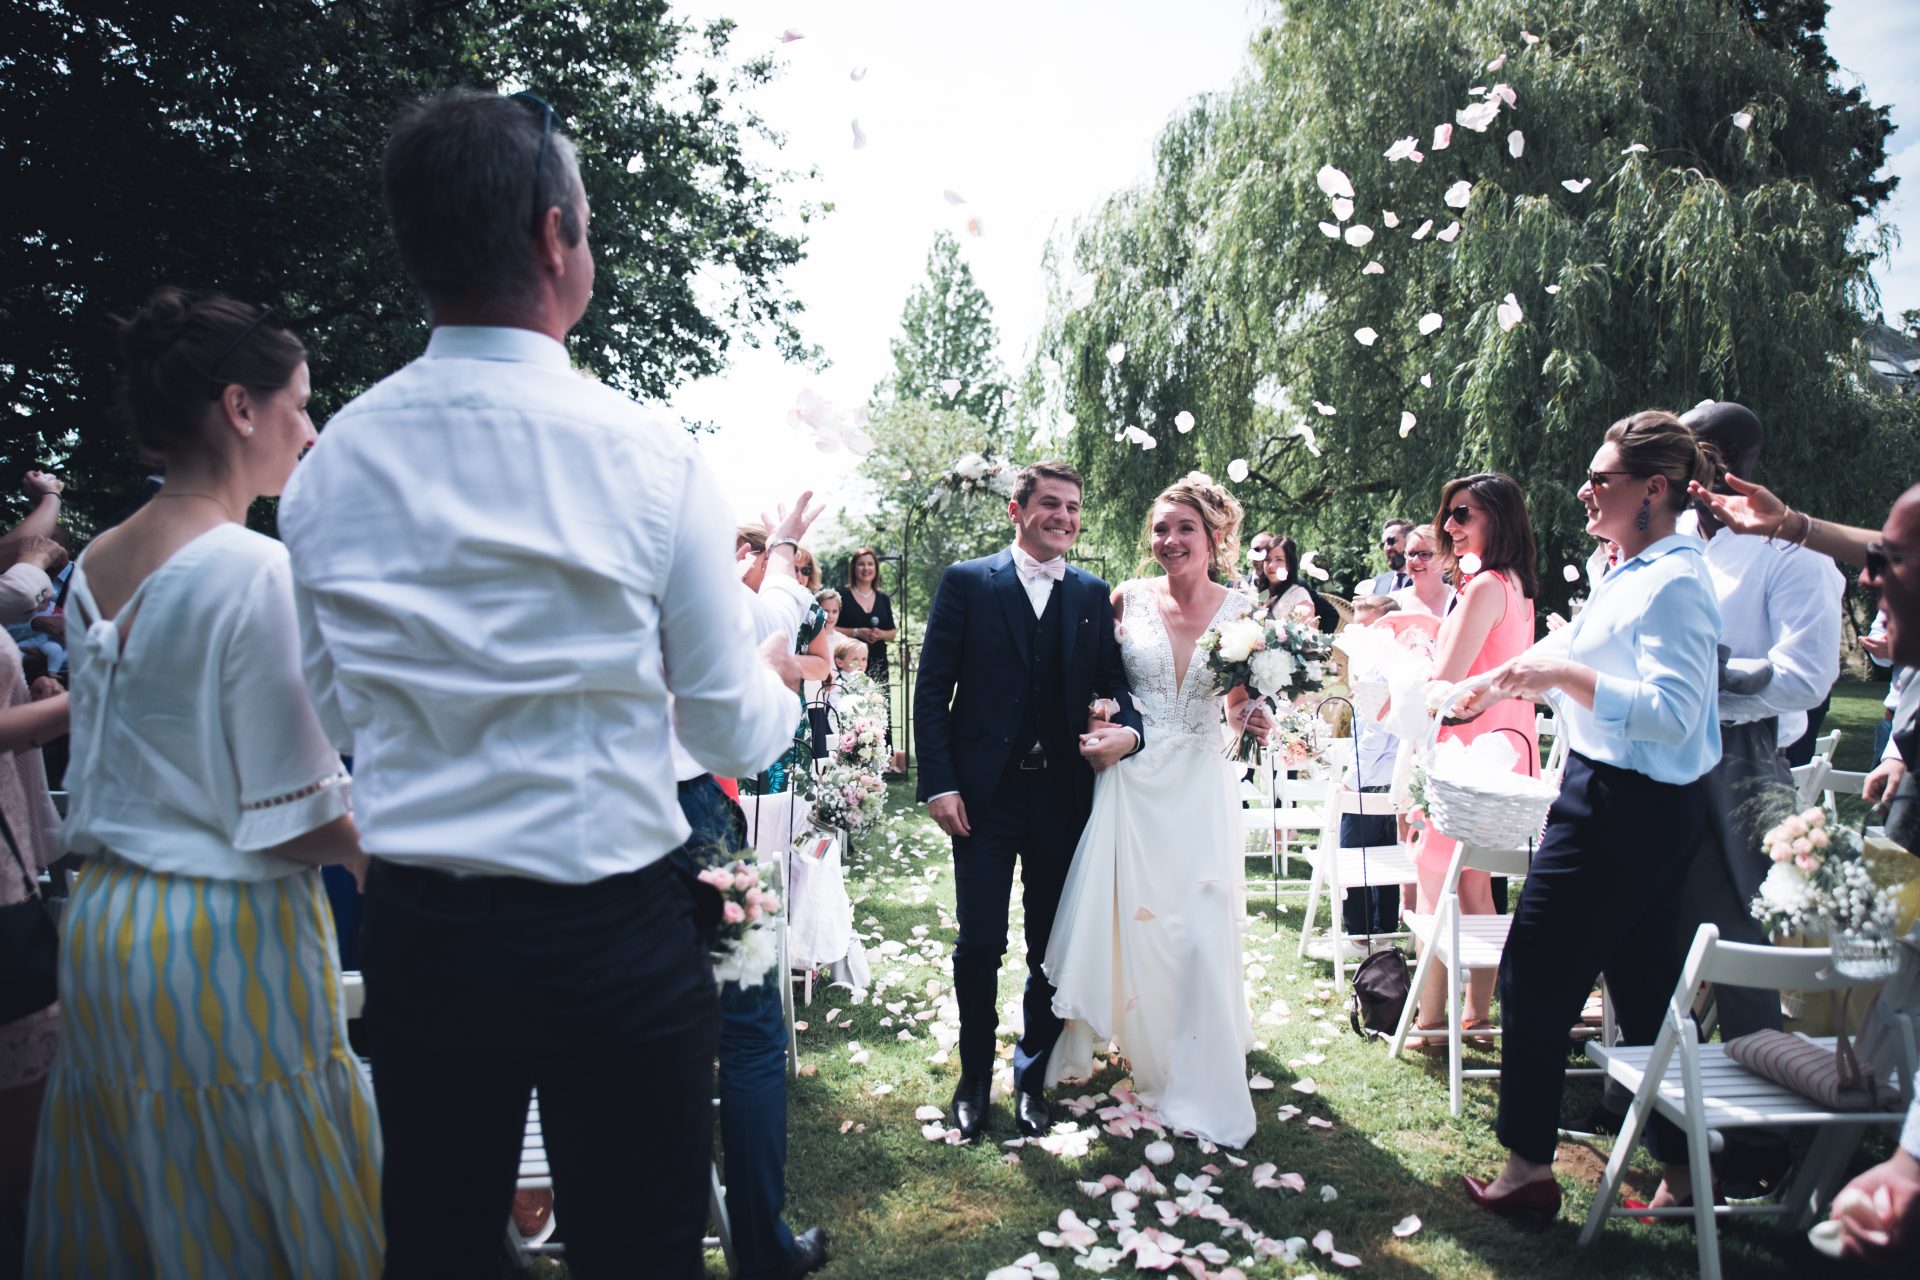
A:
[234,145]
[1718,263]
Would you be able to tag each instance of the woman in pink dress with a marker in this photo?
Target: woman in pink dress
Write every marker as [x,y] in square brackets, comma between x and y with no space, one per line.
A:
[1486,541]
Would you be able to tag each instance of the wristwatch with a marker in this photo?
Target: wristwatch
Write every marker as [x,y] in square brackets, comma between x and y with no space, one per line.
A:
[783,542]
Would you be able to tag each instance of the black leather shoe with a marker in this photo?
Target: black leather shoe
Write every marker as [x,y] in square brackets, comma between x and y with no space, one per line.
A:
[1035,1119]
[809,1253]
[970,1108]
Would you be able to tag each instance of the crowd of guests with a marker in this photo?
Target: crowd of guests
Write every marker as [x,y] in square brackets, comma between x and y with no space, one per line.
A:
[533,817]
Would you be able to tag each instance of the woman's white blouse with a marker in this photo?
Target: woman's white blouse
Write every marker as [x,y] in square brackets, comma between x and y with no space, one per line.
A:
[1651,632]
[194,744]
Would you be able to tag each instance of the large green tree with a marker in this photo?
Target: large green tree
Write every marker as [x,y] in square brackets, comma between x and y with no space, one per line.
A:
[235,145]
[1678,218]
[947,352]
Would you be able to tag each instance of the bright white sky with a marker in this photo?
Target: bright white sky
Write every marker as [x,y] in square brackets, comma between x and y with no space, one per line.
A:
[1035,111]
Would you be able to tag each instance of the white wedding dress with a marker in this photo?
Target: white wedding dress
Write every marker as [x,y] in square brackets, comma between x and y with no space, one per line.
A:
[1145,951]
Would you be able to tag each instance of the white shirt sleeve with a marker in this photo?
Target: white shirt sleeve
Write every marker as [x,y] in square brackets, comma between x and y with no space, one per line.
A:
[731,711]
[779,607]
[316,665]
[1661,704]
[291,780]
[1804,612]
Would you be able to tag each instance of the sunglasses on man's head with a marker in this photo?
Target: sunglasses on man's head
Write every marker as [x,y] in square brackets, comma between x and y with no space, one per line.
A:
[539,104]
[1881,557]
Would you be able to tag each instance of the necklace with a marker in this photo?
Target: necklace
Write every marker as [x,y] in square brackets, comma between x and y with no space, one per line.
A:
[205,497]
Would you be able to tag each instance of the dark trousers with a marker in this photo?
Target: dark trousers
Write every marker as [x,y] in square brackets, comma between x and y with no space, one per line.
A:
[1375,910]
[1032,820]
[1601,896]
[481,989]
[753,1065]
[1723,880]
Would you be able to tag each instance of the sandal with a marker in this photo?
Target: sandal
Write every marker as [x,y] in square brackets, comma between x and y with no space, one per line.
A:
[1432,1046]
[1479,1024]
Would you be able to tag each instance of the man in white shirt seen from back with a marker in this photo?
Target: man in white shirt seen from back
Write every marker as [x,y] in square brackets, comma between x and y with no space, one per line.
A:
[524,928]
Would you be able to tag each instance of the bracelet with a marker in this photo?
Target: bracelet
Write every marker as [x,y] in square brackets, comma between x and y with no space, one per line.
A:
[1806,530]
[1780,524]
[783,542]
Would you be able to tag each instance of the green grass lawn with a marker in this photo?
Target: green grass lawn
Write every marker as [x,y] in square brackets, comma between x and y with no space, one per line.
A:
[897,1205]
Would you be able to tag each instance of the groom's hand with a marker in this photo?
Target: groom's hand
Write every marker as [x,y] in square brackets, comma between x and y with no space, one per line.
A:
[949,813]
[1105,744]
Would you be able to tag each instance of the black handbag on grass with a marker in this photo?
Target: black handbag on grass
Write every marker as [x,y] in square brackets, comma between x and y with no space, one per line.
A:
[1380,986]
[29,946]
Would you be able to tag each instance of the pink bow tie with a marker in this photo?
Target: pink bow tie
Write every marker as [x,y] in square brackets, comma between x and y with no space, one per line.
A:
[1030,568]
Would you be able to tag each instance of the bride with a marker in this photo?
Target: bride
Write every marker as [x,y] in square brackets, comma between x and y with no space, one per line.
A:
[1146,943]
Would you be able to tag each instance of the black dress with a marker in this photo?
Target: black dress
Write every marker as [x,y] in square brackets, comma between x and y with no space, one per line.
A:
[880,616]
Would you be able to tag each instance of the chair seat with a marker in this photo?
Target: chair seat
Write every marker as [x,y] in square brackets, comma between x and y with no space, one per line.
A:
[1482,939]
[1373,868]
[1735,1096]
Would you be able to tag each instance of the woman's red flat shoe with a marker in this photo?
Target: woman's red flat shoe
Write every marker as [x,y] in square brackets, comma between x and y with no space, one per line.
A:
[1541,1197]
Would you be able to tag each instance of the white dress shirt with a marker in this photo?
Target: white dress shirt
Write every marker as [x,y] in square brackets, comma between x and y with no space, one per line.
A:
[1783,606]
[1651,632]
[1039,586]
[195,748]
[1409,598]
[776,609]
[503,569]
[1387,583]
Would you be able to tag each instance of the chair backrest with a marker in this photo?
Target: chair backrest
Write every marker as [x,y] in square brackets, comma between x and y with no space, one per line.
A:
[1809,780]
[1740,964]
[1823,746]
[1498,862]
[1545,726]
[1848,782]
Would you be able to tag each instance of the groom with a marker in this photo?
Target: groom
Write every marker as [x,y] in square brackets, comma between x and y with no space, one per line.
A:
[1017,647]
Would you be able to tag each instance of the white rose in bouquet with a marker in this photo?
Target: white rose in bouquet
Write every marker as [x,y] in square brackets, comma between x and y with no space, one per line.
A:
[1785,889]
[1239,638]
[1273,671]
[971,467]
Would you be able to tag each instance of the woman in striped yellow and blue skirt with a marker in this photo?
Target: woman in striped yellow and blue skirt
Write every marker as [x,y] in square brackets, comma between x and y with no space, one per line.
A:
[205,1116]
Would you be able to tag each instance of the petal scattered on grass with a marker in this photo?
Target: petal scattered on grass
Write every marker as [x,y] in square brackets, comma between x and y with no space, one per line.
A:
[1293,1181]
[1529,37]
[1407,1226]
[1328,1193]
[1319,1122]
[1259,1082]
[1159,1152]
[1305,1085]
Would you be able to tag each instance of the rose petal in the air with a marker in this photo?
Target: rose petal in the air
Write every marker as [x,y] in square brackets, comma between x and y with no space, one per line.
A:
[1324,410]
[1469,564]
[1426,380]
[1478,116]
[1458,194]
[1497,63]
[1508,313]
[1743,120]
[1570,572]
[1406,423]
[1405,149]
[1359,235]
[1516,144]
[1430,321]
[858,73]
[1342,208]
[1365,336]
[1420,232]
[1333,182]
[1529,37]
[1389,217]
[1330,230]
[859,136]
[1373,268]
[1442,137]
[1576,185]
[1237,470]
[791,34]
[1116,353]
[1448,232]
[1633,147]
[1183,422]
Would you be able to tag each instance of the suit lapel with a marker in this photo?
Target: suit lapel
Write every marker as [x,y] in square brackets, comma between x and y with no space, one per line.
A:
[1014,603]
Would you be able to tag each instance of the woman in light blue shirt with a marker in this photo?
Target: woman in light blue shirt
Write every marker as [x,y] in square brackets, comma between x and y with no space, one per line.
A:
[1633,682]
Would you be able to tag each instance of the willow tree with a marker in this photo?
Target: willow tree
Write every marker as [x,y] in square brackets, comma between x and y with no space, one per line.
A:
[1640,203]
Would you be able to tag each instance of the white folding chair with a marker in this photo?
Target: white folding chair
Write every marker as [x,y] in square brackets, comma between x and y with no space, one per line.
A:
[1463,943]
[1284,817]
[1341,868]
[1712,1092]
[1809,780]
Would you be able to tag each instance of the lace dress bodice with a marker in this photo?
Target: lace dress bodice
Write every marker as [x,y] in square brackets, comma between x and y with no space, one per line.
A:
[1183,715]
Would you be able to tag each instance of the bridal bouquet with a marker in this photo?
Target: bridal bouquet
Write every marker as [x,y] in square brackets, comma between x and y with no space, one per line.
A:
[1819,882]
[860,708]
[975,474]
[1274,659]
[848,796]
[745,945]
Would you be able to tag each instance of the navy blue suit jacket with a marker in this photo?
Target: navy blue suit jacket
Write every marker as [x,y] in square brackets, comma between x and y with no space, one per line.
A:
[973,672]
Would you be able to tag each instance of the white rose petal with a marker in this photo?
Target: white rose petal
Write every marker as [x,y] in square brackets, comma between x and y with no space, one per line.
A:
[1633,147]
[1405,149]
[858,73]
[1183,422]
[1333,182]
[1324,410]
[1478,116]
[1426,380]
[1516,144]
[950,387]
[1458,194]
[1576,185]
[1237,470]
[859,136]
[1504,93]
[1553,288]
[1469,564]
[1497,63]
[1420,232]
[1360,235]
[1389,217]
[953,197]
[1330,230]
[1571,573]
[1159,1152]
[1529,37]
[1116,353]
[1407,1226]
[1442,137]
[1407,421]
[1373,268]
[1508,313]
[1365,336]
[1430,321]
[1742,120]
[1342,209]
[637,163]
[1449,232]
[1305,1085]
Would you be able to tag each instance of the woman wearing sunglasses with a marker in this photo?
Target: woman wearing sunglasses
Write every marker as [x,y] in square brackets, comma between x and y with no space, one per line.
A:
[1486,540]
[1633,681]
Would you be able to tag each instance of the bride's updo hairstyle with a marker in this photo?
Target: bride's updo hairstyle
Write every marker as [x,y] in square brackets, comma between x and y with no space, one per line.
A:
[181,353]
[1220,515]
